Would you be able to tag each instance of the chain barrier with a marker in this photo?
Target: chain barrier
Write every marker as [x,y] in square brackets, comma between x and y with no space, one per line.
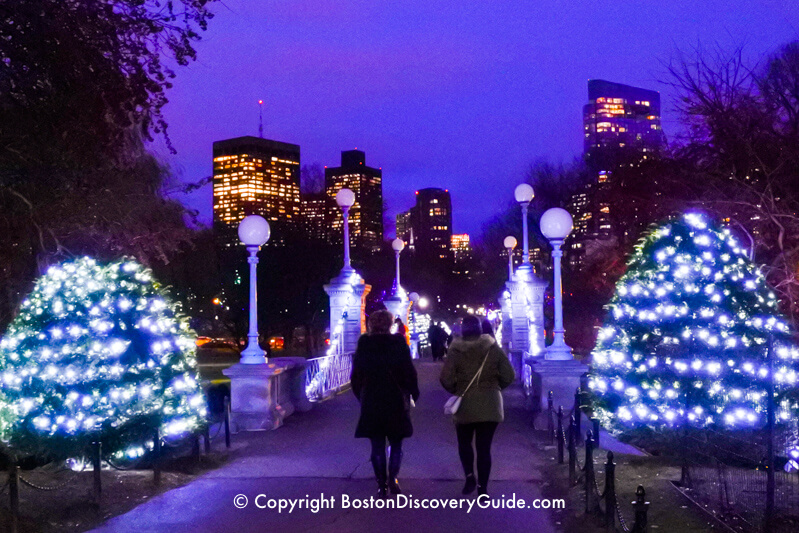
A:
[47,489]
[620,517]
[584,474]
[134,466]
[218,429]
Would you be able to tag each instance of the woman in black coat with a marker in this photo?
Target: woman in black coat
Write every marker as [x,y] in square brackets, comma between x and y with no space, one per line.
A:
[384,380]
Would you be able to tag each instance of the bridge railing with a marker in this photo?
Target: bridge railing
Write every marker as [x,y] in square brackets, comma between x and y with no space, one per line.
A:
[326,376]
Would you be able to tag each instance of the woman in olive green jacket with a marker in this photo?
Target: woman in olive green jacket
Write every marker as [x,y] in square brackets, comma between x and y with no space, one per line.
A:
[481,409]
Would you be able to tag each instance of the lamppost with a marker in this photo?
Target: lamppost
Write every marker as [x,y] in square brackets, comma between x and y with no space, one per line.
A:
[398,245]
[510,243]
[556,224]
[524,195]
[254,232]
[345,199]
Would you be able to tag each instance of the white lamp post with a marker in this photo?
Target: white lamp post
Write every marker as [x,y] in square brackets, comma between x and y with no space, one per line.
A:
[556,224]
[345,199]
[524,195]
[510,243]
[254,232]
[398,245]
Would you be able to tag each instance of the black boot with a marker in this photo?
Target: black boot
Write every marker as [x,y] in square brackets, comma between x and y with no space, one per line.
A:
[394,463]
[482,489]
[470,484]
[379,464]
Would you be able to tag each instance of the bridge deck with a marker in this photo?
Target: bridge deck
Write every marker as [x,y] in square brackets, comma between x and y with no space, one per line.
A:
[315,453]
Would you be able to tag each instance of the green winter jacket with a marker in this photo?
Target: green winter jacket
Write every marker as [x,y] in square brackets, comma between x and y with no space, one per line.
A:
[483,401]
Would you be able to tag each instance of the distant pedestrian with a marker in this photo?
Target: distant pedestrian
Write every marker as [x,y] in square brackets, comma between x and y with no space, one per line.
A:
[488,329]
[401,329]
[438,341]
[477,359]
[384,381]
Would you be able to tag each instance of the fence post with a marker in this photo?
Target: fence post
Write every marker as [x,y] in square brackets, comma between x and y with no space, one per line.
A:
[641,506]
[156,458]
[572,454]
[610,493]
[207,439]
[589,473]
[195,448]
[770,482]
[560,435]
[97,449]
[577,416]
[227,422]
[13,494]
[595,423]
[550,412]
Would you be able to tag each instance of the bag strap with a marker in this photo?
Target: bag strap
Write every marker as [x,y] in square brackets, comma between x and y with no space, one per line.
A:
[479,371]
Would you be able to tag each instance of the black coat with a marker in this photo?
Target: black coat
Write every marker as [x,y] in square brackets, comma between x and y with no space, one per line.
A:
[383,376]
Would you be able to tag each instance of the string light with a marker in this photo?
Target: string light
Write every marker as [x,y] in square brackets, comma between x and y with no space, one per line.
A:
[97,352]
[314,386]
[694,307]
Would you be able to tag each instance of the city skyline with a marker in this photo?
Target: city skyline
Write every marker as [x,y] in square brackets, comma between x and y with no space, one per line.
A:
[433,104]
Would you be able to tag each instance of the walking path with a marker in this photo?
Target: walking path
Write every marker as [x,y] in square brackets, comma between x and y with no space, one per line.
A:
[315,453]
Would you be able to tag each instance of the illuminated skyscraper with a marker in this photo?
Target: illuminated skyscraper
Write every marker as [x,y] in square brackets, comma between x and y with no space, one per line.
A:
[461,250]
[460,247]
[256,176]
[366,216]
[619,119]
[314,216]
[431,222]
[622,127]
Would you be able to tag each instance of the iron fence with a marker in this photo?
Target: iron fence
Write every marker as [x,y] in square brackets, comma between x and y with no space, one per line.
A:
[603,503]
[326,376]
[95,454]
[729,474]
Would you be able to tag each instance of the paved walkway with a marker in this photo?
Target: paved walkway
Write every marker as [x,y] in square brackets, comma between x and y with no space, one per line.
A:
[315,453]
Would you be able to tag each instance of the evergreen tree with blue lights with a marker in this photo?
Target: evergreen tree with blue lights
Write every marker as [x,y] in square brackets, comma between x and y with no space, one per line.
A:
[97,353]
[685,343]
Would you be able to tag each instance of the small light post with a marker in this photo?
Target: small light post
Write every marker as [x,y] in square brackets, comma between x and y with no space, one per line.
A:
[524,195]
[253,232]
[510,243]
[556,224]
[345,199]
[398,245]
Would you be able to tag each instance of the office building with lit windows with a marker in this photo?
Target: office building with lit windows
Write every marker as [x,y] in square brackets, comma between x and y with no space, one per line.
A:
[621,126]
[405,229]
[256,176]
[314,216]
[461,250]
[460,247]
[428,224]
[620,119]
[366,215]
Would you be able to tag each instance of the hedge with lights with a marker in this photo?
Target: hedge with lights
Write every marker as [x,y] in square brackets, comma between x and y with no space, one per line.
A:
[685,343]
[97,352]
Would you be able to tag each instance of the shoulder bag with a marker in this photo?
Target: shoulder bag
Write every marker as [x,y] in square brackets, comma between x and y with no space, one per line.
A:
[454,402]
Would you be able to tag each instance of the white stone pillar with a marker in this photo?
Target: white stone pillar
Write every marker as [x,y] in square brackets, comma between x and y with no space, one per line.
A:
[505,308]
[347,292]
[399,306]
[527,313]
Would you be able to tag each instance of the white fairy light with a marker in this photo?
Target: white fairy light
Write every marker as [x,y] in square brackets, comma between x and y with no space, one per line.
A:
[691,314]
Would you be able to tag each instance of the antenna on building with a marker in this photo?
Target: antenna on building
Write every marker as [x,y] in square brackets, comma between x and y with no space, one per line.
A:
[260,119]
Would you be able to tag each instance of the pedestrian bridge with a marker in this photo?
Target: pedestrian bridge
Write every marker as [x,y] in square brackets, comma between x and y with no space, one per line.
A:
[315,453]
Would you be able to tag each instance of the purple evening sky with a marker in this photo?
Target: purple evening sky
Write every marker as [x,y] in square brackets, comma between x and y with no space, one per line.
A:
[456,94]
